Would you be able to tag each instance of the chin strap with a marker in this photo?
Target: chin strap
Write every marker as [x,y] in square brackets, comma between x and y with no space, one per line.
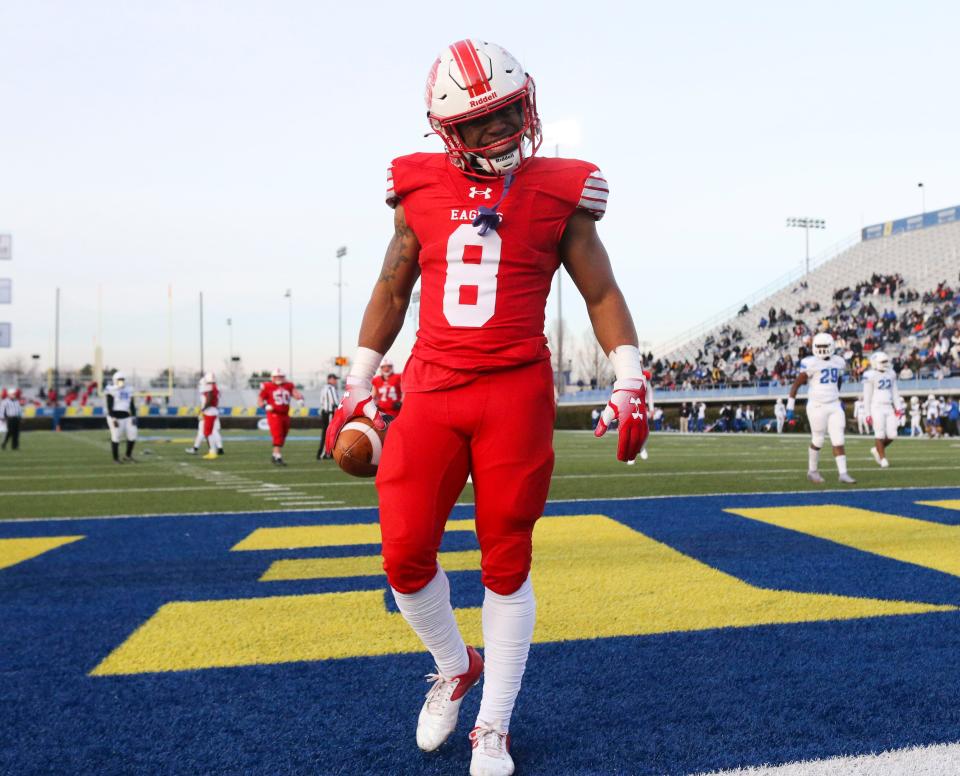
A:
[487,217]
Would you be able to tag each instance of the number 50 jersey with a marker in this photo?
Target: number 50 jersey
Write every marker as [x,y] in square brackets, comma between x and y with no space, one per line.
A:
[482,298]
[823,378]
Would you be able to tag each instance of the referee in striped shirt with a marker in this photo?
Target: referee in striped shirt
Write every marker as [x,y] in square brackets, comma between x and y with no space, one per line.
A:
[329,400]
[11,412]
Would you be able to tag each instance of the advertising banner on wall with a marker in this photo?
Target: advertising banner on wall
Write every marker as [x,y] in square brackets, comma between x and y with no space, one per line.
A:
[911,223]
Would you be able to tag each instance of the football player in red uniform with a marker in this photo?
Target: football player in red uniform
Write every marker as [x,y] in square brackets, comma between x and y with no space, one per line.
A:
[484,227]
[275,397]
[387,391]
[208,424]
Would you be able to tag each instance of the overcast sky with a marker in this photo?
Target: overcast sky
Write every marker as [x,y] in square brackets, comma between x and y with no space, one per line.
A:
[230,148]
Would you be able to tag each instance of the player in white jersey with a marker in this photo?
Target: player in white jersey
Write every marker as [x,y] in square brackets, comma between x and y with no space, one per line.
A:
[880,397]
[780,413]
[932,408]
[121,417]
[822,373]
[915,417]
[860,414]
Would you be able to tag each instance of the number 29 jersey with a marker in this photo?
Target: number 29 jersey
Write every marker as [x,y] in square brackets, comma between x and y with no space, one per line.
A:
[483,297]
[823,378]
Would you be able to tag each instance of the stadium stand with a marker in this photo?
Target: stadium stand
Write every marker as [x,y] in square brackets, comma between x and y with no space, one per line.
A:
[897,292]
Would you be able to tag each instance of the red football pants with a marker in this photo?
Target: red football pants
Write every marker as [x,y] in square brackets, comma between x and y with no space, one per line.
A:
[279,427]
[499,428]
[208,423]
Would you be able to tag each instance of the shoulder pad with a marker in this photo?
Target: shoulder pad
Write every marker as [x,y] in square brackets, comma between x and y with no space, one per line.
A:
[410,172]
[594,193]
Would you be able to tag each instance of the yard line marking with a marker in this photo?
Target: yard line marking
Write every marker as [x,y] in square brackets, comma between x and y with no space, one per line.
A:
[638,474]
[369,507]
[937,758]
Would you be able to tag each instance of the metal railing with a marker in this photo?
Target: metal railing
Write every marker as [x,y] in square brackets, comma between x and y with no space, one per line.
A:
[824,257]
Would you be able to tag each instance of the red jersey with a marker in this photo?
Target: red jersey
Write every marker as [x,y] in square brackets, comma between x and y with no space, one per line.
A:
[211,396]
[278,396]
[482,299]
[388,393]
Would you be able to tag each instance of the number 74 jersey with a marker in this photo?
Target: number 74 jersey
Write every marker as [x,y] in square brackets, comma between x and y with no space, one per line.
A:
[823,378]
[483,297]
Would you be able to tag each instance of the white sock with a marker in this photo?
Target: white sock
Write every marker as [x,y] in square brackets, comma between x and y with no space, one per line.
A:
[813,457]
[429,613]
[842,464]
[199,440]
[508,622]
[216,441]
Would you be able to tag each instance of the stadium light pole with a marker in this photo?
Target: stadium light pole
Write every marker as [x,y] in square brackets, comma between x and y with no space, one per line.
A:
[341,252]
[923,198]
[56,345]
[806,223]
[201,333]
[230,335]
[289,297]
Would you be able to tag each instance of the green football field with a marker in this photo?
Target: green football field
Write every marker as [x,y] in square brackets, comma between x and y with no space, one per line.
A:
[71,473]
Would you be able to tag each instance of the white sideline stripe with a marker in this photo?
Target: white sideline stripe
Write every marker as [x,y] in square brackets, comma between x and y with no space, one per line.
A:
[553,501]
[636,473]
[935,760]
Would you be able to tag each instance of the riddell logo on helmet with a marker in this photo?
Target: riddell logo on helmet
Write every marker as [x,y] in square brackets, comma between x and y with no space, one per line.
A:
[483,100]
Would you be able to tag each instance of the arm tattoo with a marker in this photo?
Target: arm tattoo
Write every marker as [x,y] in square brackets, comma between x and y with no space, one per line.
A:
[400,251]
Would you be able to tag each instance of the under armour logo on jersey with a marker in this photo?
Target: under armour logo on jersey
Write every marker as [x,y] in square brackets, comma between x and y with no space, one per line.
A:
[636,415]
[475,192]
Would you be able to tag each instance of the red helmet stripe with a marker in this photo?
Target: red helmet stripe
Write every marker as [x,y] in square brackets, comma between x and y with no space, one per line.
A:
[470,67]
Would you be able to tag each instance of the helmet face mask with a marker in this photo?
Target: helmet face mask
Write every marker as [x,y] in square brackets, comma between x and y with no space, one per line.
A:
[119,379]
[469,82]
[881,362]
[823,345]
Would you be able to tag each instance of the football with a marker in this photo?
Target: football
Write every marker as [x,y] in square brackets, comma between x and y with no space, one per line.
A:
[358,447]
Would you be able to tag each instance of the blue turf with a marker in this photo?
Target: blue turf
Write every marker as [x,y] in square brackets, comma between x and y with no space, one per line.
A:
[672,703]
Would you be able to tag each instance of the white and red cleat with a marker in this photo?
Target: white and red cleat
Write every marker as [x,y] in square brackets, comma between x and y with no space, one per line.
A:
[491,752]
[438,717]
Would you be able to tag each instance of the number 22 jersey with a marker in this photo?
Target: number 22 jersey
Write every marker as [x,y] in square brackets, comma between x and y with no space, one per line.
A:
[483,298]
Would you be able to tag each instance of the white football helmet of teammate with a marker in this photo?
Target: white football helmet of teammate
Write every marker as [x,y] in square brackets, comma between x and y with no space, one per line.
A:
[473,78]
[277,374]
[880,361]
[386,366]
[210,378]
[823,346]
[119,379]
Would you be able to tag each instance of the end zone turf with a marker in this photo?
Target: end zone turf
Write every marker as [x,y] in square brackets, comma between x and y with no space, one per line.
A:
[674,635]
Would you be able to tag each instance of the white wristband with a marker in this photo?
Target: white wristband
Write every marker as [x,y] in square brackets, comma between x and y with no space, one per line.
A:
[791,403]
[626,362]
[365,364]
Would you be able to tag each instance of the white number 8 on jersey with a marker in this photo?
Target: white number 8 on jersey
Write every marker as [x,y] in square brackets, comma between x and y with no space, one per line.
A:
[470,290]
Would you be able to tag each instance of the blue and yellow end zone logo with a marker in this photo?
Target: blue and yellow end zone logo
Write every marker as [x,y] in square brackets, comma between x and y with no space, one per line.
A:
[594,578]
[725,612]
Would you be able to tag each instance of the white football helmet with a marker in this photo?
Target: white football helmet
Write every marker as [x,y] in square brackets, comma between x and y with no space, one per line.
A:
[880,361]
[119,379]
[473,78]
[277,372]
[386,363]
[210,378]
[823,346]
